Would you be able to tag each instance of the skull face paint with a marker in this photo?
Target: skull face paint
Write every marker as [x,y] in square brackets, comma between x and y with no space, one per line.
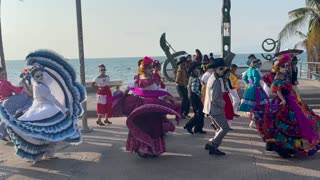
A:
[220,70]
[284,69]
[38,76]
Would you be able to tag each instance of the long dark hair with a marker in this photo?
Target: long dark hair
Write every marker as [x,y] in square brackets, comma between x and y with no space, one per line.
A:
[199,54]
[228,82]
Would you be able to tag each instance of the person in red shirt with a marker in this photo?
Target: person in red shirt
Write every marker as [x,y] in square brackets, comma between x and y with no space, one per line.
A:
[7,90]
[157,68]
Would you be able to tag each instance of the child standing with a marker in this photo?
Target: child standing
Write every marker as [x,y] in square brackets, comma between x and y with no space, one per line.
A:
[182,83]
[117,91]
[194,88]
[103,96]
[157,68]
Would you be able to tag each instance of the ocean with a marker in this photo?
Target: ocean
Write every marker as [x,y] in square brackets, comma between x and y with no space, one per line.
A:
[117,68]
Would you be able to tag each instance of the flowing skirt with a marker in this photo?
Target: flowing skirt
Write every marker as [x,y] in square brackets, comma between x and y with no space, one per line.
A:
[36,131]
[252,97]
[228,108]
[146,117]
[104,102]
[291,129]
[20,102]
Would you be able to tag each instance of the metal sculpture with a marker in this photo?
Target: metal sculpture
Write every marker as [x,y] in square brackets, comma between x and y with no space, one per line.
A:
[226,33]
[226,28]
[268,45]
[168,73]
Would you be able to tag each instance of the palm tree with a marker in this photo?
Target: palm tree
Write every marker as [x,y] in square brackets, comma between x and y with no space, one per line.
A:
[303,43]
[309,15]
[3,62]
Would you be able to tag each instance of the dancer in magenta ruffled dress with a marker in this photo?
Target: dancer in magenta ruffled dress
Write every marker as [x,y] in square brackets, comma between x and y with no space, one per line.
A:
[146,109]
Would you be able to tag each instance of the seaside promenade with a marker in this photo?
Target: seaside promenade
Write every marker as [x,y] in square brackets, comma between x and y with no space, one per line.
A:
[102,155]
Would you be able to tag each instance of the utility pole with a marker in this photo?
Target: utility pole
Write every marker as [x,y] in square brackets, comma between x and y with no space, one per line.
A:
[85,127]
[3,61]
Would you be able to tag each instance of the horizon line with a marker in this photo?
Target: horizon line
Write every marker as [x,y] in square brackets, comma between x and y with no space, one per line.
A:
[137,56]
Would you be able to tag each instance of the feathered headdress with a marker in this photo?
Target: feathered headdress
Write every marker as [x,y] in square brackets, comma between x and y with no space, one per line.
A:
[146,61]
[26,74]
[281,61]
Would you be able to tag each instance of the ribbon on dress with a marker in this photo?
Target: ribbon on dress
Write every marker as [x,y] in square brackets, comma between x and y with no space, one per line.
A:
[149,93]
[257,91]
[305,125]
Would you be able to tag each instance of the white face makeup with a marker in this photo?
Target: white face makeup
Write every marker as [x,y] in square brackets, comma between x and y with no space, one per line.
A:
[285,68]
[257,65]
[220,70]
[102,70]
[38,76]
[148,70]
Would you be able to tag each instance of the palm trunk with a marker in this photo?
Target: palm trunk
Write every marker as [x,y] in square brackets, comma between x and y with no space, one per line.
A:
[85,127]
[313,48]
[3,62]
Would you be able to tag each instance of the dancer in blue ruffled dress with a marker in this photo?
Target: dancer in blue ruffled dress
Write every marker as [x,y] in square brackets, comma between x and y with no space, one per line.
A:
[254,94]
[54,113]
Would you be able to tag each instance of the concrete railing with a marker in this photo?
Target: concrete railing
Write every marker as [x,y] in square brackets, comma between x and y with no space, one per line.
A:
[111,84]
[309,70]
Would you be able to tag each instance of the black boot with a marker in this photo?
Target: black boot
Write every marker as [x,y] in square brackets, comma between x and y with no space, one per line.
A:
[216,151]
[269,146]
[196,131]
[142,155]
[188,128]
[207,146]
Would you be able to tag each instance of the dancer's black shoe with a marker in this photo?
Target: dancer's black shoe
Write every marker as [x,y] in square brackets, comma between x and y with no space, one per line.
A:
[188,128]
[207,146]
[200,131]
[100,123]
[269,146]
[236,115]
[215,151]
[142,155]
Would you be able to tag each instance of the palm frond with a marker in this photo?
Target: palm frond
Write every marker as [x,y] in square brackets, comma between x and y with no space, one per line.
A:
[292,27]
[311,24]
[296,13]
[302,44]
[312,3]
[301,35]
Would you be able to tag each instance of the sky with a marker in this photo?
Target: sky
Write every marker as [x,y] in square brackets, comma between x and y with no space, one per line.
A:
[132,28]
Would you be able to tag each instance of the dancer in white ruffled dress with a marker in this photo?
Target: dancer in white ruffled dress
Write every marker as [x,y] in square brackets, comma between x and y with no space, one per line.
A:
[53,116]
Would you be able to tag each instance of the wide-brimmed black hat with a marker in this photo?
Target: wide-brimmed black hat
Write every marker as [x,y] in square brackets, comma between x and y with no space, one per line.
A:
[251,56]
[217,63]
[193,66]
[293,52]
[181,60]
